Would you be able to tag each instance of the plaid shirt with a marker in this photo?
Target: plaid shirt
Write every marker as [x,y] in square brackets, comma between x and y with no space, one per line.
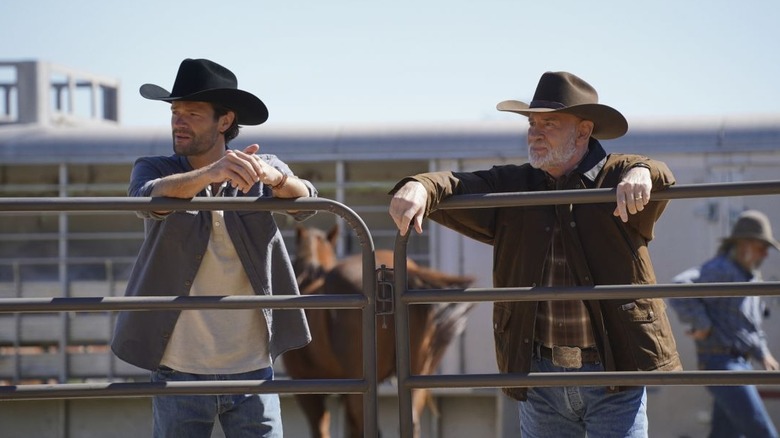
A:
[561,322]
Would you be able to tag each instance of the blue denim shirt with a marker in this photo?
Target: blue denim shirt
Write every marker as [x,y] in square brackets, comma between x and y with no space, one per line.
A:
[735,322]
[170,257]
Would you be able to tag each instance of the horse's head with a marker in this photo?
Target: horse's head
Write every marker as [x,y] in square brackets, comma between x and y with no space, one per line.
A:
[315,256]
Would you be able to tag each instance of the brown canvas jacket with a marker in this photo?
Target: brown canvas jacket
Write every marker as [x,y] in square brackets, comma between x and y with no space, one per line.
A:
[631,335]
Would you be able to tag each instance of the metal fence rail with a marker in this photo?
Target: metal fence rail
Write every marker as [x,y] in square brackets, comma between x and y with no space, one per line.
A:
[405,297]
[367,303]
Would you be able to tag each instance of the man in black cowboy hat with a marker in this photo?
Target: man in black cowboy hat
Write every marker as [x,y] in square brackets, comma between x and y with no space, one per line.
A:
[201,253]
[727,330]
[565,245]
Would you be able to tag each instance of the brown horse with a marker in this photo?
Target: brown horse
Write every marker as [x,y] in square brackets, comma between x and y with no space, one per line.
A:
[336,348]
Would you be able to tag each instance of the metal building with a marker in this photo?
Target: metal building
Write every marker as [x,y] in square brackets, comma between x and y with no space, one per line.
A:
[50,145]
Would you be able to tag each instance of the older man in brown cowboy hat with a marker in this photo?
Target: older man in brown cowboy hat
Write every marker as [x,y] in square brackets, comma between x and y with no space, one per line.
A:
[727,330]
[208,253]
[565,245]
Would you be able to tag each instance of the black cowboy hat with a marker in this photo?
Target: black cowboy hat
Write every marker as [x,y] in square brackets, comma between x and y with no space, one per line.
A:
[202,80]
[566,93]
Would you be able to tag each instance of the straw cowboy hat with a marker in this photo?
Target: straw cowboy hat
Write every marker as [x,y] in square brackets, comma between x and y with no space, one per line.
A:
[202,80]
[566,93]
[752,224]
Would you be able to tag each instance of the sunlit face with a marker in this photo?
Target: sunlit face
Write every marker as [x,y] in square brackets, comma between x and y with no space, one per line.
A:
[195,132]
[552,143]
[750,253]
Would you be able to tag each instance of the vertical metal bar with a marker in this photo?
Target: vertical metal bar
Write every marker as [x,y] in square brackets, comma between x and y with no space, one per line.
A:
[17,273]
[94,90]
[403,361]
[63,275]
[111,280]
[370,408]
[340,197]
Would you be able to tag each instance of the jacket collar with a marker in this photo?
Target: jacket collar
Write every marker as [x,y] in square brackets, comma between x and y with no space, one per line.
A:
[590,166]
[594,161]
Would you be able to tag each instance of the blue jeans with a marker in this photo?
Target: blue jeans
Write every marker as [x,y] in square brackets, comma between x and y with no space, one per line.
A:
[577,411]
[191,416]
[737,411]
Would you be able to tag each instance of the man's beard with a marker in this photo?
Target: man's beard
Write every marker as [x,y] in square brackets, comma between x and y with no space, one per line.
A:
[197,144]
[555,157]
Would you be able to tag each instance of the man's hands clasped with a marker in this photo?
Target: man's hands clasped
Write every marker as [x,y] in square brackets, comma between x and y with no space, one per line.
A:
[244,169]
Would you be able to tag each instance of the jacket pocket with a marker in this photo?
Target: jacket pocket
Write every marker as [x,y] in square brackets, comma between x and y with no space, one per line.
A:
[645,341]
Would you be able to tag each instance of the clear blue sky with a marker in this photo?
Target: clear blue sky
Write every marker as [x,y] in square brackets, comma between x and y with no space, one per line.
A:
[353,62]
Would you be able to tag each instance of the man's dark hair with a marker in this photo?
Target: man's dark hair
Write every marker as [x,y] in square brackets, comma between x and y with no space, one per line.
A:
[232,131]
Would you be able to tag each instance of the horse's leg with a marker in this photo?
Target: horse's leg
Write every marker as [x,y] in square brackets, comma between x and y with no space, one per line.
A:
[420,398]
[313,406]
[354,408]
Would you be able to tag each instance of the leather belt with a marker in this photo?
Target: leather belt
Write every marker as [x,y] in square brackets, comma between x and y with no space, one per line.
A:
[568,357]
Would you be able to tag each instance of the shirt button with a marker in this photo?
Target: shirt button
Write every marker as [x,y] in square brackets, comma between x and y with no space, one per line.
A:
[187,283]
[216,224]
[572,224]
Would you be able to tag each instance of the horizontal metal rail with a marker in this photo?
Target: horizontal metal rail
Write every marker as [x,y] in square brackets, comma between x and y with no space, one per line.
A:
[145,389]
[119,203]
[405,297]
[589,196]
[101,304]
[418,296]
[606,378]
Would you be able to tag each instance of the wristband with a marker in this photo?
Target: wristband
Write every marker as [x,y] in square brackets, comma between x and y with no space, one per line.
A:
[281,183]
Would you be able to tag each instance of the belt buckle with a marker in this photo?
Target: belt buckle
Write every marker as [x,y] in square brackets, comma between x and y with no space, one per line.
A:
[567,357]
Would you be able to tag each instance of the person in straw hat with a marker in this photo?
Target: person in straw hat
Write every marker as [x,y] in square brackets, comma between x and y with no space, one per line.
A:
[565,245]
[727,330]
[201,253]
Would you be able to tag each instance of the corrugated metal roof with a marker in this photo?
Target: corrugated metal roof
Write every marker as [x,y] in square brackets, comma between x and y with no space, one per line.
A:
[489,139]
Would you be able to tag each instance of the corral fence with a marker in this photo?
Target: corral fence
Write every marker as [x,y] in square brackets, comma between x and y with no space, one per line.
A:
[367,386]
[405,297]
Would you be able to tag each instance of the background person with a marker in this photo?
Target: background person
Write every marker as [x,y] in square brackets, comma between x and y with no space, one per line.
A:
[565,245]
[199,253]
[727,330]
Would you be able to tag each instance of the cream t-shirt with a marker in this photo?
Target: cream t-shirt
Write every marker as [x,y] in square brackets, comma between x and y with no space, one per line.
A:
[219,341]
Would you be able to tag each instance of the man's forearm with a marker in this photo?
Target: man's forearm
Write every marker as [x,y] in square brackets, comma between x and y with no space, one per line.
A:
[182,185]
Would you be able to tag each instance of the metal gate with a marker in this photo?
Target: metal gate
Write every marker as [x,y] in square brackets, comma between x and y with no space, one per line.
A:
[366,303]
[405,297]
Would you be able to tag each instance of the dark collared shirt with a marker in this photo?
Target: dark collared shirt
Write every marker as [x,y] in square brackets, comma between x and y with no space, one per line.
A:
[171,254]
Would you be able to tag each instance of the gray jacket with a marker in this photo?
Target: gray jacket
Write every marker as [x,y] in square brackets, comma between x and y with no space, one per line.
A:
[171,254]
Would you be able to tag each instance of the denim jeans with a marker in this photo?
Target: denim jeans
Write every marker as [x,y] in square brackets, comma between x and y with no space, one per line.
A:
[193,416]
[577,411]
[737,411]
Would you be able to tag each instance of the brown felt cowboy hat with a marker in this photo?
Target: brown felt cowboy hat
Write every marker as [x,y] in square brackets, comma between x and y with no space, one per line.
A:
[566,93]
[753,224]
[202,80]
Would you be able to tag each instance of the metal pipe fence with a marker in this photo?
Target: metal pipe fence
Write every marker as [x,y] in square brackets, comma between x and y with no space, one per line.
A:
[405,297]
[366,303]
